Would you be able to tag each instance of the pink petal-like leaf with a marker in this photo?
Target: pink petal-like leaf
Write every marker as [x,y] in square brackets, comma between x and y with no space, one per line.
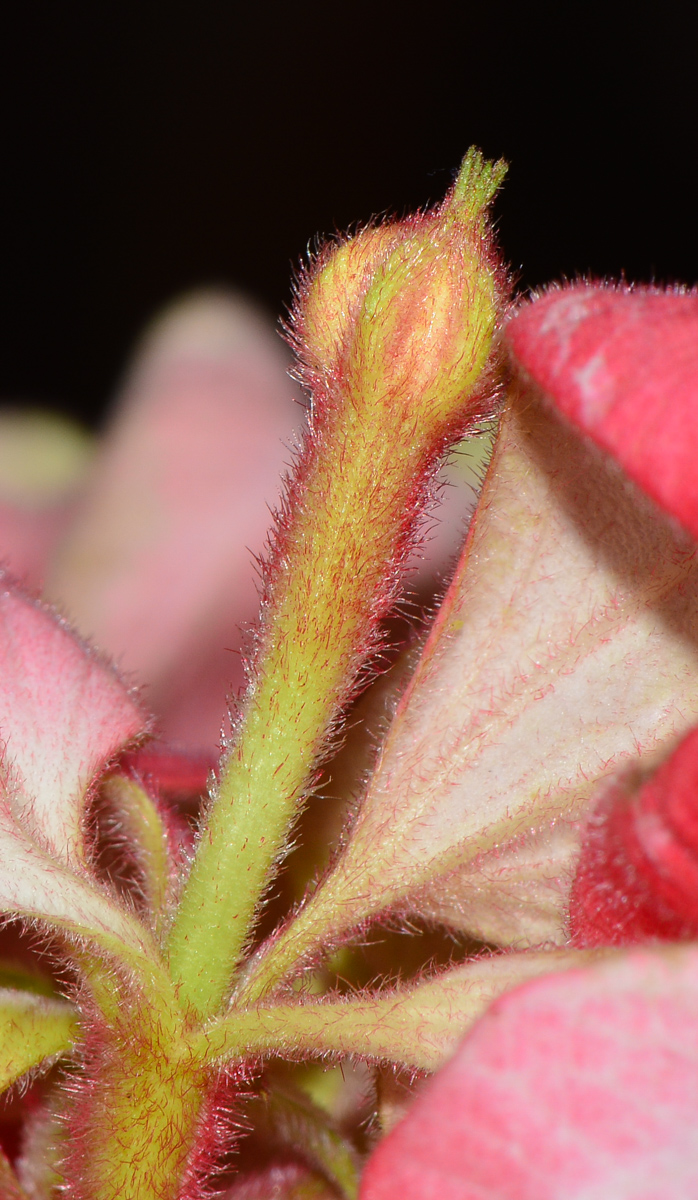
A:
[622,364]
[638,873]
[27,539]
[577,1086]
[516,894]
[63,714]
[34,885]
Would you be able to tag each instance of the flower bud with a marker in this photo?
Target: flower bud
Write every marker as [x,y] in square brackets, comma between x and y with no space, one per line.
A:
[405,312]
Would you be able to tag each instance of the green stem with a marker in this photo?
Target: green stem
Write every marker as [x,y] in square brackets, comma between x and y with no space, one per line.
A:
[324,609]
[417,1025]
[340,1027]
[138,1110]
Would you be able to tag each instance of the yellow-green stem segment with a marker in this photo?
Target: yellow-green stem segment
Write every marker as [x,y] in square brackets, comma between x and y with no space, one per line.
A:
[136,1128]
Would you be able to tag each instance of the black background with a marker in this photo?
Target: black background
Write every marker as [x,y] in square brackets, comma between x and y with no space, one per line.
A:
[150,147]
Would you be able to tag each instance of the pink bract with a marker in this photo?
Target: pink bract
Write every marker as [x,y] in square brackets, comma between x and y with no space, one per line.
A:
[574,1087]
[622,365]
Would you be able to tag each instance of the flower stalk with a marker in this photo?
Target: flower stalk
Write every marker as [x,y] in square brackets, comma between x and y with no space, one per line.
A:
[392,391]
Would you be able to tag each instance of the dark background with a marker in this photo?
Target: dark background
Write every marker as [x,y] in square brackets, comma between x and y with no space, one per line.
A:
[151,147]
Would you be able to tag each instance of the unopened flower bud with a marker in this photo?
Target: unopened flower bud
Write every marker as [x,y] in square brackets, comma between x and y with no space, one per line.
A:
[404,312]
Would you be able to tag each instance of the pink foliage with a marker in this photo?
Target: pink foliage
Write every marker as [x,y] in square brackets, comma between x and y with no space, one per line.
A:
[28,538]
[64,713]
[638,874]
[580,1086]
[156,563]
[622,365]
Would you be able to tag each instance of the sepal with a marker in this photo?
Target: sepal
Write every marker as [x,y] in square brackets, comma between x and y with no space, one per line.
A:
[142,830]
[284,1181]
[32,1029]
[290,1120]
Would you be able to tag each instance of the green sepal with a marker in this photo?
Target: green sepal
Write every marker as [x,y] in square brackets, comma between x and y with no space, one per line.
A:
[32,1028]
[20,978]
[143,831]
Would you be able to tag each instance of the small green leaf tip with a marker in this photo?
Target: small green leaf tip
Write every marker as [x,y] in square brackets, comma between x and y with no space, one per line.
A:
[477,184]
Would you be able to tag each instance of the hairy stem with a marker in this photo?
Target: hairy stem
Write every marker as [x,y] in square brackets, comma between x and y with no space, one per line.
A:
[395,338]
[136,1114]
